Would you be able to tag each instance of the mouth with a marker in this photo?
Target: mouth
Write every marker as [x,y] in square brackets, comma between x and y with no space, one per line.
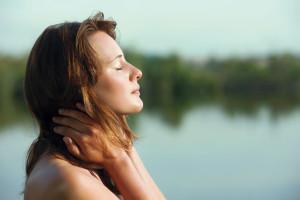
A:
[136,91]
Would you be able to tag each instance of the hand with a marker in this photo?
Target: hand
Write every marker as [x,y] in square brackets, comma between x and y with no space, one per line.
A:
[85,138]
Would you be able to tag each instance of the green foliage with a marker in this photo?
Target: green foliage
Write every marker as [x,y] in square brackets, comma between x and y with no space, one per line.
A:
[12,71]
[172,84]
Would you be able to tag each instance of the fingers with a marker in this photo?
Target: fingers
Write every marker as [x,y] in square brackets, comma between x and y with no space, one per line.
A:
[67,132]
[80,116]
[71,123]
[72,147]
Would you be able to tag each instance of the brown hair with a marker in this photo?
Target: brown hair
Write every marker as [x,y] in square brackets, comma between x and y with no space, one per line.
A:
[62,70]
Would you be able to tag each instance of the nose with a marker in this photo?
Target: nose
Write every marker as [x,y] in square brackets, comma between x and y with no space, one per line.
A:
[139,74]
[136,73]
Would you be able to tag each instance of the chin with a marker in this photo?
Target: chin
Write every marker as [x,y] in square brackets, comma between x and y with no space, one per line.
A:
[138,108]
[132,109]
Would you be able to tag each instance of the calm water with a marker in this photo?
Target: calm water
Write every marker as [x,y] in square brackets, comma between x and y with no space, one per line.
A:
[209,155]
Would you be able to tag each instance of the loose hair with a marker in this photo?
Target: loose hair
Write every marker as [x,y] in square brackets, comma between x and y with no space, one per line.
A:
[62,70]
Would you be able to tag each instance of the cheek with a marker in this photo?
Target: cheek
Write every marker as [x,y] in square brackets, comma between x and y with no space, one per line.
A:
[112,90]
[117,86]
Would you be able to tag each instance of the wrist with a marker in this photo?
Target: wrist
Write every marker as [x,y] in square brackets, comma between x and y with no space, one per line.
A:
[115,162]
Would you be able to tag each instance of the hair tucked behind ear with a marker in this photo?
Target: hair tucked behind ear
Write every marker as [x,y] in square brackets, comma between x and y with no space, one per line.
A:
[62,70]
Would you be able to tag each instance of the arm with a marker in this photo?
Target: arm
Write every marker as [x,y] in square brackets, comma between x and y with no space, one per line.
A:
[138,163]
[128,181]
[84,146]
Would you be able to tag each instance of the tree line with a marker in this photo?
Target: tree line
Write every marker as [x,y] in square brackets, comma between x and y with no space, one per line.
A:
[170,80]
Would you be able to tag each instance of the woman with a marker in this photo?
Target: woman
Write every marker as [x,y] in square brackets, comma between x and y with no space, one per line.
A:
[85,150]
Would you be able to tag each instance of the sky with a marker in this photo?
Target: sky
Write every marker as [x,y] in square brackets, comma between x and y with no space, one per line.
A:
[192,28]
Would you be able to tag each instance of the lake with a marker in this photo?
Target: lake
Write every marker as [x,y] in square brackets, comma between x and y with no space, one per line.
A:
[209,154]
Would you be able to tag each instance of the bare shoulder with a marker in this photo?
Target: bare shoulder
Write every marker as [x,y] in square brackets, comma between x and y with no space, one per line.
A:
[58,179]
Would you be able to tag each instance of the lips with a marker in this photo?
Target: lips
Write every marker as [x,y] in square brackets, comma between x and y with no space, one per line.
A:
[136,91]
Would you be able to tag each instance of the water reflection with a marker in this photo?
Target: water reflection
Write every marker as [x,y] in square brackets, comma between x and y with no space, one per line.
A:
[172,112]
[212,149]
[212,156]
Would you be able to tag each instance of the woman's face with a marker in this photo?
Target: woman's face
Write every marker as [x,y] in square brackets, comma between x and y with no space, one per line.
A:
[118,82]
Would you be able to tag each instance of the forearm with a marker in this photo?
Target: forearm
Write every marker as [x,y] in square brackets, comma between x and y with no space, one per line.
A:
[138,163]
[128,181]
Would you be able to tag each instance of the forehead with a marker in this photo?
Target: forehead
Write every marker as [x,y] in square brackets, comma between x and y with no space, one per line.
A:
[105,46]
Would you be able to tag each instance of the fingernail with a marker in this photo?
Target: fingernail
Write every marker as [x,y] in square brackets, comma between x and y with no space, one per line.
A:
[54,119]
[60,111]
[65,140]
[56,129]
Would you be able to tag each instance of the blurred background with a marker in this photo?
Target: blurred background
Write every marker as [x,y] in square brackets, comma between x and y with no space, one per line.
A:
[221,92]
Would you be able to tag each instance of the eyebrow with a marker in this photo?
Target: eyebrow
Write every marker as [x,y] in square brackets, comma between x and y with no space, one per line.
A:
[118,56]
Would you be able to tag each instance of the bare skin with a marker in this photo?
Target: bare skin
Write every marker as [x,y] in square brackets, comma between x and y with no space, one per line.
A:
[55,178]
[65,181]
[131,158]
